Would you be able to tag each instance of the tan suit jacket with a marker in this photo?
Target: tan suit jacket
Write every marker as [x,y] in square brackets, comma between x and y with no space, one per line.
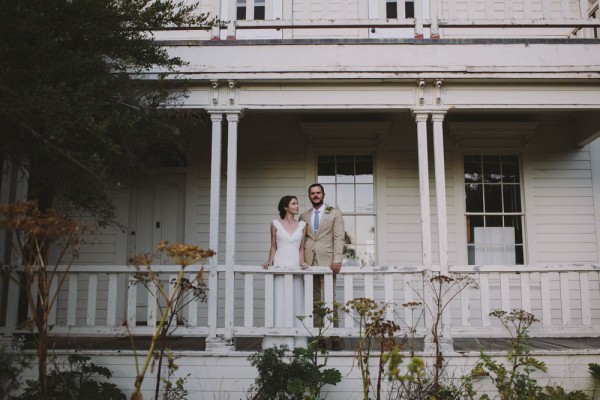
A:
[327,246]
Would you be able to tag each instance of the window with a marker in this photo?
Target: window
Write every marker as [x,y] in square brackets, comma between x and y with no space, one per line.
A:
[242,10]
[391,9]
[494,215]
[348,184]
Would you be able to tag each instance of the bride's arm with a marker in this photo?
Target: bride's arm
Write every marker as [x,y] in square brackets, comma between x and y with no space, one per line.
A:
[302,260]
[273,248]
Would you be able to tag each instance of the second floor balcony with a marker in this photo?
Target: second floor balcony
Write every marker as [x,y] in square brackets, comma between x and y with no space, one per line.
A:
[398,19]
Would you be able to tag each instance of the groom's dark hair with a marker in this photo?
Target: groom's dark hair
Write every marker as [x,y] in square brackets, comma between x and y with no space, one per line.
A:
[315,185]
[283,203]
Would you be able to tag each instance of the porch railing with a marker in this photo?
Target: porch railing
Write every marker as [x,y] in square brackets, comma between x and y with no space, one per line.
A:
[436,18]
[100,300]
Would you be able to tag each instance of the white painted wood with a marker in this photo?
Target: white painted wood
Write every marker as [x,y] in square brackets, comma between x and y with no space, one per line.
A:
[421,119]
[440,189]
[192,307]
[527,8]
[91,300]
[33,294]
[308,300]
[72,299]
[215,184]
[213,299]
[52,292]
[564,8]
[369,290]
[565,298]
[584,290]
[288,300]
[545,291]
[12,309]
[505,292]
[328,290]
[409,295]
[248,300]
[525,292]
[131,302]
[388,288]
[348,295]
[484,289]
[152,305]
[583,9]
[269,308]
[465,306]
[112,301]
[230,220]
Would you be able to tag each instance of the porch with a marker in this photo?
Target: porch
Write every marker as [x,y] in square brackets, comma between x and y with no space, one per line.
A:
[102,301]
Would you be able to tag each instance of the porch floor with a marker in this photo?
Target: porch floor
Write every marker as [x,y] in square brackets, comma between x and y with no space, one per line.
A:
[460,345]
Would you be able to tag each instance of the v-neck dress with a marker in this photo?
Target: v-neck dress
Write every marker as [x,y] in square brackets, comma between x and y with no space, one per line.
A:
[287,255]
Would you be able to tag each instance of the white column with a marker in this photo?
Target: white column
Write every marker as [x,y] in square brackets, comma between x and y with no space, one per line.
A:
[215,185]
[421,119]
[233,119]
[440,189]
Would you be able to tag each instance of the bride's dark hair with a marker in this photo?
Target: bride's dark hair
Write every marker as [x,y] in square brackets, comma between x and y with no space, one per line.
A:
[283,203]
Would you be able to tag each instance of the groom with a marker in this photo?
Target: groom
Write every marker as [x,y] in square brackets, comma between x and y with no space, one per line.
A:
[324,243]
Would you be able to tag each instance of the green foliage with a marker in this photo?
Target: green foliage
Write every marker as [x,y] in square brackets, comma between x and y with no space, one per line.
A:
[594,370]
[281,377]
[513,380]
[77,381]
[74,112]
[12,365]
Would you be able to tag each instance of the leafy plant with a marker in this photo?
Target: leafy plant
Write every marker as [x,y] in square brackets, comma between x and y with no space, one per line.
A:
[295,377]
[13,362]
[77,381]
[301,376]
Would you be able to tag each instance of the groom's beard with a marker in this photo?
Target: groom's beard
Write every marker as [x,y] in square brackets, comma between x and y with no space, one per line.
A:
[317,205]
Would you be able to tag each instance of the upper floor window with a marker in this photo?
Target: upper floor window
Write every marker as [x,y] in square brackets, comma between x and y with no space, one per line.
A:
[392,8]
[494,215]
[348,183]
[258,10]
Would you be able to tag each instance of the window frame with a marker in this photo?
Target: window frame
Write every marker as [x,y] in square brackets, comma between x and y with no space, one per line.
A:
[324,152]
[461,212]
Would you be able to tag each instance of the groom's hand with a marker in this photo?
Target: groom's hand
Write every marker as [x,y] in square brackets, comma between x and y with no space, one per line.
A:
[336,267]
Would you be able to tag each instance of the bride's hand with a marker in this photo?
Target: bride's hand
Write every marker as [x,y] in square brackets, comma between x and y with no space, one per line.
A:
[304,266]
[266,265]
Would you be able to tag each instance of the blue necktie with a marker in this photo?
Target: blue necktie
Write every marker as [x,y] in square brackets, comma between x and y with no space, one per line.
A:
[316,221]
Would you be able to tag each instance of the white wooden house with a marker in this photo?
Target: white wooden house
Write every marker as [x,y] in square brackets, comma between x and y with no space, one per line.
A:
[455,136]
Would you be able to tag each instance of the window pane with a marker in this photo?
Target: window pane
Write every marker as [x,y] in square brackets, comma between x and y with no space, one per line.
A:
[519,255]
[365,229]
[350,229]
[364,169]
[345,169]
[493,198]
[493,221]
[473,221]
[512,198]
[409,9]
[510,169]
[259,12]
[366,255]
[474,197]
[241,13]
[472,169]
[345,198]
[364,198]
[326,169]
[330,195]
[391,9]
[491,169]
[514,221]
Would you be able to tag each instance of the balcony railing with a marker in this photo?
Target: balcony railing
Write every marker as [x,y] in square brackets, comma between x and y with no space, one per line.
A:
[101,300]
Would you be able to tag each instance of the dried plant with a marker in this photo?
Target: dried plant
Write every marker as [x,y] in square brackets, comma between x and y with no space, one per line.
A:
[34,236]
[170,302]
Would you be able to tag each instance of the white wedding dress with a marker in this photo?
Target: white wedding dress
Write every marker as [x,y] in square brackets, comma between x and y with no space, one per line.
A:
[287,255]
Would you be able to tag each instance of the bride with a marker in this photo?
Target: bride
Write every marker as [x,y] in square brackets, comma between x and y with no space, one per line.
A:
[287,250]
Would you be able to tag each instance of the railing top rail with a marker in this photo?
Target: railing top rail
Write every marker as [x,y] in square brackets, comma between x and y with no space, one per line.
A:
[257,269]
